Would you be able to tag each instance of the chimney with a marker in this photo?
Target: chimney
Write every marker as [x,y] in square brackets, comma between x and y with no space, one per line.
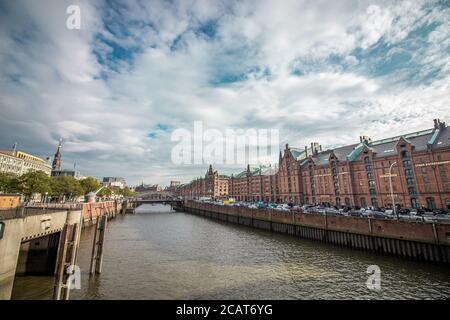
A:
[364,139]
[314,148]
[306,151]
[438,124]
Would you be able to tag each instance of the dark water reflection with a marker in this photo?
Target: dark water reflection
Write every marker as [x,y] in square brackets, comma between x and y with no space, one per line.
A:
[167,255]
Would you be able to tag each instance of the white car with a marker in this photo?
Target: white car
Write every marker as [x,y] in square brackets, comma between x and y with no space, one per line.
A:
[283,207]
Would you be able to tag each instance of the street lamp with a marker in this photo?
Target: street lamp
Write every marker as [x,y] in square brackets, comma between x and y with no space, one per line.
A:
[390,184]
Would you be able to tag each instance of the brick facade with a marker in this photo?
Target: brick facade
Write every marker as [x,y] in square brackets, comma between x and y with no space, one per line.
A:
[354,175]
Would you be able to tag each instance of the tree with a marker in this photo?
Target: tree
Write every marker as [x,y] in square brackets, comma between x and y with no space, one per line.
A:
[9,183]
[126,192]
[104,192]
[89,185]
[66,186]
[34,182]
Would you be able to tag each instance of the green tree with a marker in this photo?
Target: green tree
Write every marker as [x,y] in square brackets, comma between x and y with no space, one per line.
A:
[89,185]
[34,182]
[126,192]
[66,186]
[104,192]
[9,183]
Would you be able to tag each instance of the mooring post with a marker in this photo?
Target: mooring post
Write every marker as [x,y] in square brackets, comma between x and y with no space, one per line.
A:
[435,235]
[94,246]
[60,262]
[67,253]
[124,206]
[97,247]
[100,245]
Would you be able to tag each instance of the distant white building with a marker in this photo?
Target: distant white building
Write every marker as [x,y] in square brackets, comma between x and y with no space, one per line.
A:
[117,182]
[18,163]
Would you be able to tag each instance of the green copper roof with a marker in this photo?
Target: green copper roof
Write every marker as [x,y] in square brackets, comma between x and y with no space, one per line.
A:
[405,136]
[356,152]
[434,137]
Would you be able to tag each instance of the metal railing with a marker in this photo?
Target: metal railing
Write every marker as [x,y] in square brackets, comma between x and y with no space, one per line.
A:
[23,211]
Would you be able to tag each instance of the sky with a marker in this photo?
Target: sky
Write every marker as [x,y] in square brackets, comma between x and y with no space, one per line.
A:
[116,89]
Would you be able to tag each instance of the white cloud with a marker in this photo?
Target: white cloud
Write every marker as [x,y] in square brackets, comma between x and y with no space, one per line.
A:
[53,86]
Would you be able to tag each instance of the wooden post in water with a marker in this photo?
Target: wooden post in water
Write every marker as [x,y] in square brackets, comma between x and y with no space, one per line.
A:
[94,247]
[124,206]
[97,247]
[67,253]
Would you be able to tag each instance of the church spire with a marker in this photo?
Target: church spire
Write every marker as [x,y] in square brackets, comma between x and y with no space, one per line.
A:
[56,165]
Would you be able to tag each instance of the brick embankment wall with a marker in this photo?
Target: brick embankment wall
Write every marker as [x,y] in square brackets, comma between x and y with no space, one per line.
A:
[414,240]
[91,211]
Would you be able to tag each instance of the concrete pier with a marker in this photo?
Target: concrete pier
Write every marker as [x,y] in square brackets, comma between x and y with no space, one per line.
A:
[29,244]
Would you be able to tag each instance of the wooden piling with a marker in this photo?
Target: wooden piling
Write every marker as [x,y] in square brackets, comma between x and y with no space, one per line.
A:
[97,247]
[67,253]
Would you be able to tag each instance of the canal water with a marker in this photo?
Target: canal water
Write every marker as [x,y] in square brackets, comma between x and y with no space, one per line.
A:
[158,254]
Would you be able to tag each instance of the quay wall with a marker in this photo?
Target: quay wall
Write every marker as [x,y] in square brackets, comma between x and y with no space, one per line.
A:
[420,241]
[36,224]
[92,211]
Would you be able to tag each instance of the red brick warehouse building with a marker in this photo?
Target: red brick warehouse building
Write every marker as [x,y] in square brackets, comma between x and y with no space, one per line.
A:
[354,175]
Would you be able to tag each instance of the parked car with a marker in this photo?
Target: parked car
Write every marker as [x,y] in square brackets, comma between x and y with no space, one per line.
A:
[261,205]
[404,211]
[354,213]
[439,211]
[379,215]
[283,207]
[272,205]
[331,211]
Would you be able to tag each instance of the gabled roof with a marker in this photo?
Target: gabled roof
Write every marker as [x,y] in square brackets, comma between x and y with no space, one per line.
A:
[420,140]
[255,171]
[298,153]
[442,140]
